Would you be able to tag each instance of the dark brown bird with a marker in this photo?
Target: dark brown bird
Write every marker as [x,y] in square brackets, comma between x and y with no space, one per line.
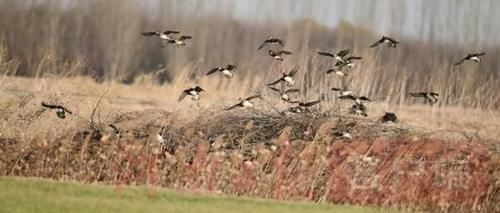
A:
[287,78]
[60,110]
[340,56]
[357,99]
[392,43]
[245,102]
[284,94]
[429,97]
[277,55]
[227,71]
[471,57]
[194,92]
[270,40]
[180,42]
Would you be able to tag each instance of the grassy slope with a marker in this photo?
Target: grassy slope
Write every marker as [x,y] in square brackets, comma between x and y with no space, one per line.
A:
[31,195]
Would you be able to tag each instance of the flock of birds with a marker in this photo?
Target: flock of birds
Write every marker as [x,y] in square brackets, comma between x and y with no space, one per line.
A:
[344,61]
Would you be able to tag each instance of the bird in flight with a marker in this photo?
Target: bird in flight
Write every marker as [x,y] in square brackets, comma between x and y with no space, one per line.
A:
[247,102]
[227,71]
[355,98]
[392,43]
[348,62]
[471,57]
[164,36]
[194,92]
[278,55]
[340,56]
[180,42]
[287,78]
[284,94]
[343,91]
[60,110]
[270,40]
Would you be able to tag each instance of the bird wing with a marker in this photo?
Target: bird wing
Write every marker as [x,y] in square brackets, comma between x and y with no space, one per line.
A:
[185,37]
[149,33]
[253,97]
[292,90]
[292,102]
[231,67]
[234,106]
[65,109]
[392,40]
[182,96]
[262,45]
[336,89]
[213,71]
[286,52]
[275,89]
[434,94]
[171,32]
[308,104]
[343,53]
[461,61]
[477,54]
[280,42]
[293,72]
[354,58]
[50,106]
[198,89]
[275,82]
[347,97]
[364,98]
[417,94]
[330,71]
[326,54]
[380,41]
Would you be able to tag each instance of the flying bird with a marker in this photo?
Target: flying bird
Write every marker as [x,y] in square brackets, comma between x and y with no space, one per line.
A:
[287,78]
[270,40]
[308,104]
[340,56]
[163,36]
[227,71]
[429,97]
[194,92]
[278,55]
[357,99]
[303,107]
[336,72]
[284,94]
[392,43]
[60,110]
[180,42]
[343,91]
[245,102]
[348,62]
[471,57]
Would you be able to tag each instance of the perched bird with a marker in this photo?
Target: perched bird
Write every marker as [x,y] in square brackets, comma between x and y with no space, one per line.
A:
[284,94]
[357,99]
[343,91]
[163,36]
[227,71]
[336,72]
[471,57]
[348,62]
[389,117]
[340,56]
[180,42]
[392,43]
[287,78]
[245,102]
[269,40]
[60,110]
[194,92]
[277,55]
[429,97]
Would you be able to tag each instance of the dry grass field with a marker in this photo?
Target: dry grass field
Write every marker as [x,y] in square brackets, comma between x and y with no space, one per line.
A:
[89,57]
